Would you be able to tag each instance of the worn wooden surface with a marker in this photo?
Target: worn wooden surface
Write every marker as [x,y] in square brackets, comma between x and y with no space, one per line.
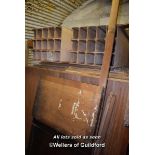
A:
[66,44]
[85,75]
[31,82]
[121,48]
[33,75]
[117,135]
[69,106]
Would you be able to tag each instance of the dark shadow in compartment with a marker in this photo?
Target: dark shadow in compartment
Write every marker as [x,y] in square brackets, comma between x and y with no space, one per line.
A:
[112,60]
[35,33]
[44,45]
[82,46]
[57,32]
[100,46]
[98,59]
[39,34]
[36,55]
[51,33]
[81,58]
[92,32]
[73,57]
[74,45]
[34,44]
[50,44]
[43,56]
[38,44]
[90,58]
[114,46]
[91,46]
[101,32]
[45,33]
[56,56]
[83,33]
[75,33]
[57,45]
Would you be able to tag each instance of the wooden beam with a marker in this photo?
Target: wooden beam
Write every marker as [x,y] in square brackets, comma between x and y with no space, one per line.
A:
[109,44]
[105,112]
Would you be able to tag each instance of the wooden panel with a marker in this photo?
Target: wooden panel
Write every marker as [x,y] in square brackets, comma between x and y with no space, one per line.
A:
[31,82]
[80,75]
[68,106]
[77,73]
[121,49]
[117,134]
[66,44]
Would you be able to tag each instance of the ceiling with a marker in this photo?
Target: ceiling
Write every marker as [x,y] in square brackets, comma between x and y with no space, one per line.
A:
[45,13]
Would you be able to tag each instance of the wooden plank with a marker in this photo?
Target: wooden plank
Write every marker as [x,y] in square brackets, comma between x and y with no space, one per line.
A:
[66,44]
[117,134]
[89,76]
[109,44]
[102,115]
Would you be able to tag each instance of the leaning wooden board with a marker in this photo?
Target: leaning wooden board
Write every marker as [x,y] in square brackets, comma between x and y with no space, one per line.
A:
[33,75]
[117,134]
[69,106]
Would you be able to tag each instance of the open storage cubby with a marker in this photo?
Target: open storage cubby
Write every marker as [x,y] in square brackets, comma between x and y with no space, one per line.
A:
[44,45]
[38,44]
[57,45]
[90,46]
[57,32]
[98,59]
[101,32]
[83,33]
[92,32]
[81,58]
[45,33]
[50,56]
[90,58]
[36,55]
[56,56]
[34,44]
[75,33]
[35,33]
[39,34]
[50,44]
[73,57]
[82,46]
[75,45]
[100,46]
[43,56]
[51,33]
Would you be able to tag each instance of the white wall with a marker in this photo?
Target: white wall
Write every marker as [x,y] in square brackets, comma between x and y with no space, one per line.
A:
[94,13]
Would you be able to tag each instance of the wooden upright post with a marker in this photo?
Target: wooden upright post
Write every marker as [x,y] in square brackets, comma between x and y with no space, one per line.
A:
[109,44]
[104,116]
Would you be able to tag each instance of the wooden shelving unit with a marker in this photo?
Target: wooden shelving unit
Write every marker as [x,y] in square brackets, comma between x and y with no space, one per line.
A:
[47,44]
[88,45]
[79,45]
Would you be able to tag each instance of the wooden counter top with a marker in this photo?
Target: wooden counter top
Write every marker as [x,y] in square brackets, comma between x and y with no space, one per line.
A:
[77,73]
